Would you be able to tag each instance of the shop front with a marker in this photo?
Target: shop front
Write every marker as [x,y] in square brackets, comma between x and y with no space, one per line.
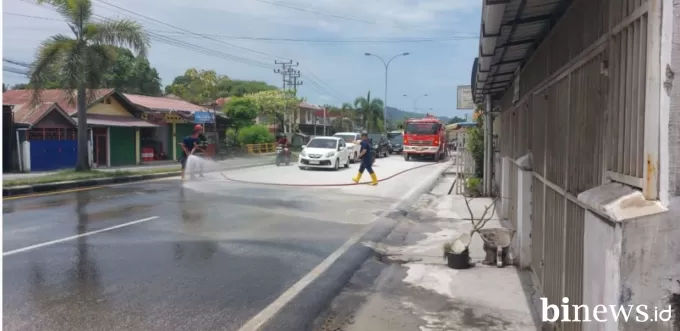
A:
[162,143]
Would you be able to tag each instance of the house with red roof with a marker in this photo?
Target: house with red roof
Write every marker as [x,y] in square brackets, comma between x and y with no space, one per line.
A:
[51,128]
[124,129]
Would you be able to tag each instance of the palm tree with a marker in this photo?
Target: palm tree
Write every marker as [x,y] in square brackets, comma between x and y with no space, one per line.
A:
[348,114]
[370,111]
[82,59]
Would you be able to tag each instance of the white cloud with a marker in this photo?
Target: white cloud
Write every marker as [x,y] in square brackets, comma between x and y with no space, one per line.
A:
[340,68]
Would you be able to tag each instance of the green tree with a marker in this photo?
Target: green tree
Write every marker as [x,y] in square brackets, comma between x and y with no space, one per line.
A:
[475,143]
[82,60]
[371,113]
[128,74]
[280,105]
[196,86]
[346,117]
[241,111]
[190,86]
[239,88]
[255,134]
[132,74]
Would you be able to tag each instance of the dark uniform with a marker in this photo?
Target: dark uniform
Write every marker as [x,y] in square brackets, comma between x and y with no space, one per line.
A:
[202,143]
[366,162]
[198,140]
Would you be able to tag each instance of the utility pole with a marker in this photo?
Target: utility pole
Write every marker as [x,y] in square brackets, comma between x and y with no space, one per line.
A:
[285,72]
[294,82]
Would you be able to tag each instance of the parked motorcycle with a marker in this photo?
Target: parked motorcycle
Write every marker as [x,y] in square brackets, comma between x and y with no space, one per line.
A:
[282,155]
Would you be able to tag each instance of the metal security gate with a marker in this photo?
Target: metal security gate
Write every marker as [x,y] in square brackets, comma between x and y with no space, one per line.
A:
[463,162]
[53,149]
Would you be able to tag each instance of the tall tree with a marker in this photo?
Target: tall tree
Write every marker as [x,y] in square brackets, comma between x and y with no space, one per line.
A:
[127,74]
[189,86]
[82,60]
[196,86]
[280,105]
[344,117]
[132,74]
[370,112]
[239,88]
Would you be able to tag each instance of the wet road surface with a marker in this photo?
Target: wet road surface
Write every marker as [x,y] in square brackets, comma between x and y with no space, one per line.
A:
[208,255]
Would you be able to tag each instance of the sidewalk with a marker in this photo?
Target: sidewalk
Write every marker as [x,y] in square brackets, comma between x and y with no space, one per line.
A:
[42,182]
[170,166]
[411,288]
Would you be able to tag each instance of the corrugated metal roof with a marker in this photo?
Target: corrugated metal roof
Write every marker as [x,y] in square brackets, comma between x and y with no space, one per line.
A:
[18,97]
[163,103]
[31,116]
[525,23]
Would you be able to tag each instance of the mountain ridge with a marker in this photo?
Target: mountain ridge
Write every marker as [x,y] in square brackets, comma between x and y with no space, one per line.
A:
[398,115]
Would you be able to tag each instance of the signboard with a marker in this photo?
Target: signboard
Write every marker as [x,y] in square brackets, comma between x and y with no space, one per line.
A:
[174,118]
[464,97]
[203,117]
[155,118]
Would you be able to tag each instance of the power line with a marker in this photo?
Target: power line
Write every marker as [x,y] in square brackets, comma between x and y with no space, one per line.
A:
[15,71]
[292,40]
[308,73]
[18,63]
[187,31]
[181,44]
[184,45]
[280,4]
[347,18]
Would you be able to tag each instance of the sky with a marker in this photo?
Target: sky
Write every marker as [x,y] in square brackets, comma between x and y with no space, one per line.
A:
[328,38]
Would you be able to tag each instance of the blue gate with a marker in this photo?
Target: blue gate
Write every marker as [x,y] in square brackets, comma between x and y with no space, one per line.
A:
[53,154]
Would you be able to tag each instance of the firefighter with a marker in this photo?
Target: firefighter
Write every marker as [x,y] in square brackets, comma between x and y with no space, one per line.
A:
[366,155]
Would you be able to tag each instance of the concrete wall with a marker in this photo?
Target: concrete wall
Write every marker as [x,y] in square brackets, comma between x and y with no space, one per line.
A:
[632,255]
[673,164]
[650,265]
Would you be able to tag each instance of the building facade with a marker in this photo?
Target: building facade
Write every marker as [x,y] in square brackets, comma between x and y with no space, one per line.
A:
[581,96]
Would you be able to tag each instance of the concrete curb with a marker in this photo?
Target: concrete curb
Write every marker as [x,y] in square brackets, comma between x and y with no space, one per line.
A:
[69,185]
[300,313]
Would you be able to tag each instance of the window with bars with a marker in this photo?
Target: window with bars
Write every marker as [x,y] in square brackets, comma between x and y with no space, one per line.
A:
[52,134]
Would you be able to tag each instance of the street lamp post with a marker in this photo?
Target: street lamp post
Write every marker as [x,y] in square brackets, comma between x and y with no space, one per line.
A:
[415,101]
[387,65]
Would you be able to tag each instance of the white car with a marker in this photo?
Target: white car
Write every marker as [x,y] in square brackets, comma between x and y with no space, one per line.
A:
[324,152]
[353,142]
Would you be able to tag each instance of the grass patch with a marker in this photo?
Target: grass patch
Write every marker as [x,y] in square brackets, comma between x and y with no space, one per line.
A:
[70,175]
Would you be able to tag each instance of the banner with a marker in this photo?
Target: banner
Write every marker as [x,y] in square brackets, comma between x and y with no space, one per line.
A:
[464,97]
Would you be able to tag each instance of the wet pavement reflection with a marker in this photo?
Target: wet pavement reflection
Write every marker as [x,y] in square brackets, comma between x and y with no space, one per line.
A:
[210,261]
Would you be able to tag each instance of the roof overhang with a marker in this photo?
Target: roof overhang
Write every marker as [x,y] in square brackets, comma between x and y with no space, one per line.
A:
[121,121]
[510,31]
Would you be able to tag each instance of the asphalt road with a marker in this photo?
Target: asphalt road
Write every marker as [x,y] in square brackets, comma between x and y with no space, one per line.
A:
[206,255]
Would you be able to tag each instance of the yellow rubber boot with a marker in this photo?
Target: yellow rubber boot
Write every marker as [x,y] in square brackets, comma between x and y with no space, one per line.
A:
[374,179]
[357,178]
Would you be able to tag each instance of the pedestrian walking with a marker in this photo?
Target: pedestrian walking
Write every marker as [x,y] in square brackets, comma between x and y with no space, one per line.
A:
[366,156]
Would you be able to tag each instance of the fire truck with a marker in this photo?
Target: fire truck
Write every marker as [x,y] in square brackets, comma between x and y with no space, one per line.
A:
[424,137]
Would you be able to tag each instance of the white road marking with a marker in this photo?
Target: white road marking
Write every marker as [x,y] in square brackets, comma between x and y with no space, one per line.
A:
[255,323]
[77,236]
